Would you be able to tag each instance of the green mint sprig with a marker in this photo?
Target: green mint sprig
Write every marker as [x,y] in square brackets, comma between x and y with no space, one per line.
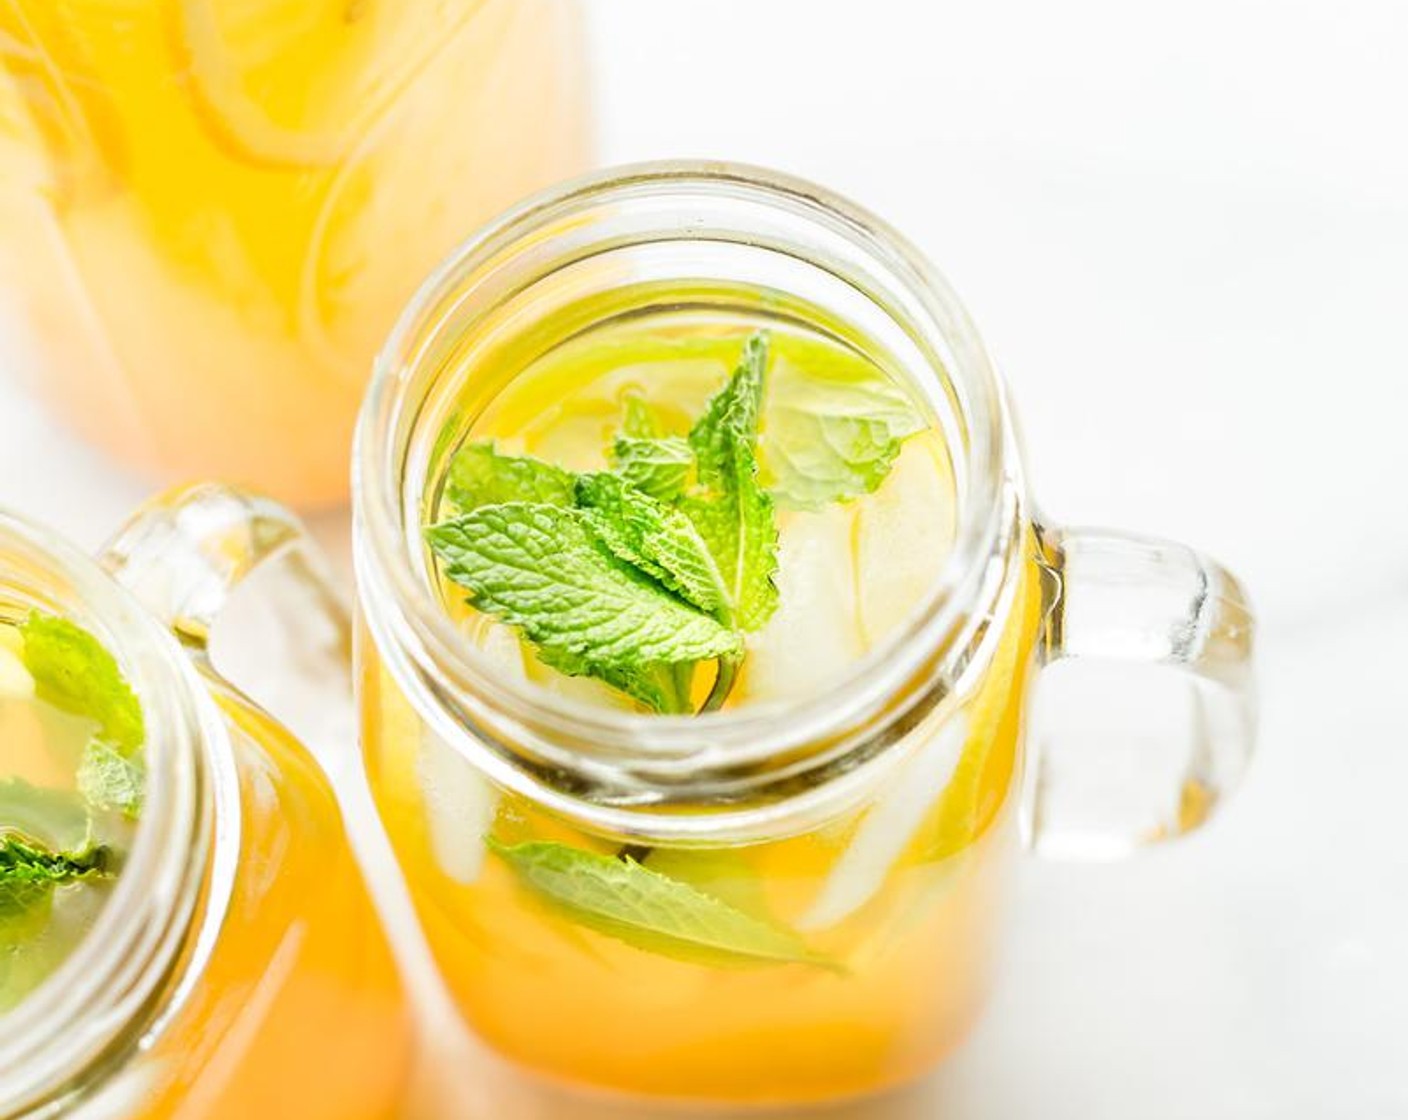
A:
[627,901]
[30,873]
[31,868]
[657,538]
[541,569]
[479,476]
[637,574]
[834,435]
[633,576]
[73,672]
[733,513]
[28,870]
[47,835]
[649,459]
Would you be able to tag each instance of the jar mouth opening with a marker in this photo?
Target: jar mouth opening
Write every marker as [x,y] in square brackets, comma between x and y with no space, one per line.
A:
[109,990]
[672,204]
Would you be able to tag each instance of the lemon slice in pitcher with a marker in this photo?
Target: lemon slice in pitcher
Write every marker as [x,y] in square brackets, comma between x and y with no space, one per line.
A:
[297,82]
[403,185]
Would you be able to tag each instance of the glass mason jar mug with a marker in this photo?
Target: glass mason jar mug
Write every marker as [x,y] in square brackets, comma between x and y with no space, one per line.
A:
[796,898]
[211,211]
[235,965]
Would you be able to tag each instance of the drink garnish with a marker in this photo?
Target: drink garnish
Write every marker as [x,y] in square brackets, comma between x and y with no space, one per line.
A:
[636,575]
[73,672]
[47,836]
[621,898]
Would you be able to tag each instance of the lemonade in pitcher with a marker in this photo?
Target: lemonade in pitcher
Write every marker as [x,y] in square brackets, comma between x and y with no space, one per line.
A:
[212,210]
[719,509]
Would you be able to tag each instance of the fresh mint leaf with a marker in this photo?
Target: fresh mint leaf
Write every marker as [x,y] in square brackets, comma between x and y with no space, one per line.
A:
[732,512]
[109,780]
[29,870]
[649,911]
[653,536]
[677,524]
[649,459]
[833,433]
[480,476]
[657,465]
[29,874]
[73,672]
[541,569]
[46,836]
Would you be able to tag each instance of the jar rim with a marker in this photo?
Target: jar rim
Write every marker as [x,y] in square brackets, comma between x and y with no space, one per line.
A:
[453,685]
[148,943]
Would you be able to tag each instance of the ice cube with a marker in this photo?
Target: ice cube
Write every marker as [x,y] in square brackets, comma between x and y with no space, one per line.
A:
[499,644]
[904,533]
[459,808]
[459,801]
[813,639]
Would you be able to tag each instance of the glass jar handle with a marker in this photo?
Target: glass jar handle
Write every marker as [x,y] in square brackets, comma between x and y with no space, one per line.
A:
[1123,760]
[191,556]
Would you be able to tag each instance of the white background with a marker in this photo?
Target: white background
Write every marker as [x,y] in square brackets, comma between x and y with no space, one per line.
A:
[1183,231]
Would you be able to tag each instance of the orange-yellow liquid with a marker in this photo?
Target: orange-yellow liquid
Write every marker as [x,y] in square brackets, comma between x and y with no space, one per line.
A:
[299,1010]
[211,211]
[574,1005]
[913,933]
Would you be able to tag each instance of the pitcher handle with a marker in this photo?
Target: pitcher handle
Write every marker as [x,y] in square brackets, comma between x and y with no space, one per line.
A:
[186,553]
[1121,600]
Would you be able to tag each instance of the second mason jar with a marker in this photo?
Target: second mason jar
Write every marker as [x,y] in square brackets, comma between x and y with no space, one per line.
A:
[795,898]
[224,960]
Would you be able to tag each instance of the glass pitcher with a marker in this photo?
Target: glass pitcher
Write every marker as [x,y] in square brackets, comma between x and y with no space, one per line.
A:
[237,967]
[212,210]
[877,822]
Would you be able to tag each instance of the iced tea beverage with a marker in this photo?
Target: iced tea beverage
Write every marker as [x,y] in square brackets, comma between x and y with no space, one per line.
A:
[183,930]
[727,968]
[701,598]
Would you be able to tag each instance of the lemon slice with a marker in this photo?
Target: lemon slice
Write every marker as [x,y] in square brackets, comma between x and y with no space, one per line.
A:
[493,114]
[59,128]
[812,640]
[889,827]
[298,82]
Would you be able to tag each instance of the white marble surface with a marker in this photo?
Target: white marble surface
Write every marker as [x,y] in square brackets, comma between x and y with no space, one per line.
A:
[1182,229]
